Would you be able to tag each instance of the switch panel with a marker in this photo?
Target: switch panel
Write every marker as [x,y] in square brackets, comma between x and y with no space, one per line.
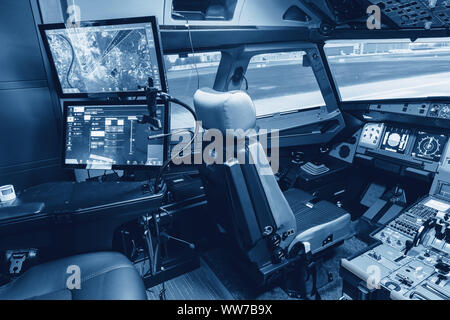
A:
[371,135]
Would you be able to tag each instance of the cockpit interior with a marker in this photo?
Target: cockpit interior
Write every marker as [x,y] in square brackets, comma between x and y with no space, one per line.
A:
[225,150]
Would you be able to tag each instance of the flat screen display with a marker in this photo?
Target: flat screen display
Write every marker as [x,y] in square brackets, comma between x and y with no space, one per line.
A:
[429,146]
[104,57]
[107,136]
[395,140]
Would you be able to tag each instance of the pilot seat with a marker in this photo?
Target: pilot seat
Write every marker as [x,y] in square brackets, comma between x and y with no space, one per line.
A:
[102,275]
[271,228]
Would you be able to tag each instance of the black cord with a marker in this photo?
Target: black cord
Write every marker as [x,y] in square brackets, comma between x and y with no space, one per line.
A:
[196,131]
[162,293]
[193,55]
[159,136]
[192,45]
[246,82]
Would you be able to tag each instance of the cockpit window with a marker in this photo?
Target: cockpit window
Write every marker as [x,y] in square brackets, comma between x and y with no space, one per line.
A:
[183,81]
[390,69]
[278,82]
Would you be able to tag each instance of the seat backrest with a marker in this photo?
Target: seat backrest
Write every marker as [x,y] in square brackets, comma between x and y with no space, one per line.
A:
[245,195]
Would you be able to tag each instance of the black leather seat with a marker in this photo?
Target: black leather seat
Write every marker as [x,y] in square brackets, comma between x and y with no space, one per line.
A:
[104,276]
[265,222]
[320,223]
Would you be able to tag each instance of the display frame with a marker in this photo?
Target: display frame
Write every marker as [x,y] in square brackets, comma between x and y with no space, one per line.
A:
[98,23]
[392,129]
[140,102]
[433,135]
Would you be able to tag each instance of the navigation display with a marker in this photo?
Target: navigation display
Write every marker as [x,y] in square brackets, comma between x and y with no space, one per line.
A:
[429,146]
[109,58]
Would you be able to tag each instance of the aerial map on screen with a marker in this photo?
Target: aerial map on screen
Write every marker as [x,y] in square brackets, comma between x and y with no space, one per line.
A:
[104,59]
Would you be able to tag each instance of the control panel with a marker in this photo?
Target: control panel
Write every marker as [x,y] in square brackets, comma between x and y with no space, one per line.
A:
[439,110]
[406,226]
[429,146]
[421,150]
[412,259]
[371,135]
[432,110]
[396,139]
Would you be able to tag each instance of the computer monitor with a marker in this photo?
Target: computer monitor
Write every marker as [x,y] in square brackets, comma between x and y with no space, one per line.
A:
[105,57]
[105,136]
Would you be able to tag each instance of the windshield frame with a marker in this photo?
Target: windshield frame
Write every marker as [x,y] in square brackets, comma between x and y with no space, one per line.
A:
[241,56]
[381,100]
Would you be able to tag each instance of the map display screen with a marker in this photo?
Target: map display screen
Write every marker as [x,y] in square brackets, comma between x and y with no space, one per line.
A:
[105,58]
[429,146]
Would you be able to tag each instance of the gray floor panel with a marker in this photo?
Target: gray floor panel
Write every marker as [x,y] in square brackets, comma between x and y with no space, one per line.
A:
[200,284]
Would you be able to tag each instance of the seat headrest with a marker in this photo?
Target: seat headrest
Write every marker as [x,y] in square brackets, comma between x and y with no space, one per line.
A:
[225,110]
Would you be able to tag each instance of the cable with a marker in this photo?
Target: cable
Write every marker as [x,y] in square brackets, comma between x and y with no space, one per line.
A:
[162,293]
[170,215]
[192,45]
[193,55]
[196,131]
[159,136]
[246,82]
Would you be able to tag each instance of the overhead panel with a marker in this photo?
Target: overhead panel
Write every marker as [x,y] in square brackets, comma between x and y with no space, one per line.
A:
[416,13]
[57,11]
[242,13]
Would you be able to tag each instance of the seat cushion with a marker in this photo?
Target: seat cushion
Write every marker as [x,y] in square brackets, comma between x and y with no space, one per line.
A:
[323,225]
[104,276]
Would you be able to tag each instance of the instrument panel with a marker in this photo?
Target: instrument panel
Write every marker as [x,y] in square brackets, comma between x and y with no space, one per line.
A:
[434,110]
[441,111]
[371,135]
[429,146]
[395,139]
[405,143]
[412,257]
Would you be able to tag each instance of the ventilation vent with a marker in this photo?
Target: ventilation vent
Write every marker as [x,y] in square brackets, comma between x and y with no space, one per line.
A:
[294,13]
[199,10]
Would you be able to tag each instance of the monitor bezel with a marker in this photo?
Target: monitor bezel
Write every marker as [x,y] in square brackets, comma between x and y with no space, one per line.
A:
[98,23]
[68,104]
